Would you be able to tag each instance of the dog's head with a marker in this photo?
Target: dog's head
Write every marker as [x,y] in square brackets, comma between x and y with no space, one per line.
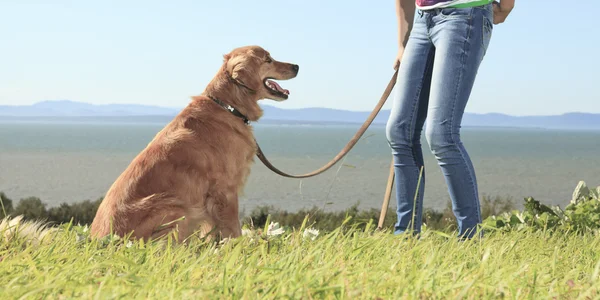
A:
[253,68]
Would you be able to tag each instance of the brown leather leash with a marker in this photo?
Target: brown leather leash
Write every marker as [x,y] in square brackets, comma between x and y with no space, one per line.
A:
[348,146]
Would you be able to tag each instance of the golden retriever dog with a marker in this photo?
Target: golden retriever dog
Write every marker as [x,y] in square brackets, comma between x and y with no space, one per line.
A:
[189,177]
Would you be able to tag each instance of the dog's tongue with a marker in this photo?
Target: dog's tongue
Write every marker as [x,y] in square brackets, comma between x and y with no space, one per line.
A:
[279,88]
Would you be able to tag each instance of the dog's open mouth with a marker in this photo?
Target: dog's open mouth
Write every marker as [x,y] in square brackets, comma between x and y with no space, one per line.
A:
[275,89]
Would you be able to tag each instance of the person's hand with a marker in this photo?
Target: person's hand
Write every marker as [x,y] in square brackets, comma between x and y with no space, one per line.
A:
[501,11]
[398,58]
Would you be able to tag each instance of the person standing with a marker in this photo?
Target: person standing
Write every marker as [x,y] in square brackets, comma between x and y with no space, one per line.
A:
[441,45]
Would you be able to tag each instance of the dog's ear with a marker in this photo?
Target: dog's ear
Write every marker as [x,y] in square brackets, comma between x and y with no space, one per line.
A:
[240,69]
[232,63]
[243,75]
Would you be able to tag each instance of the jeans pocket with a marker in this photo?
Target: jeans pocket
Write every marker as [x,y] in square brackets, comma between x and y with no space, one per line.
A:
[486,32]
[450,13]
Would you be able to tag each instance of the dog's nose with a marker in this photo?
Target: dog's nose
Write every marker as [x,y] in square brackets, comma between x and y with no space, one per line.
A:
[295,68]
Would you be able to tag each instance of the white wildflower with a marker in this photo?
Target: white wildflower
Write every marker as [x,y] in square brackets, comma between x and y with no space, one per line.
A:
[224,241]
[79,237]
[274,229]
[310,233]
[129,244]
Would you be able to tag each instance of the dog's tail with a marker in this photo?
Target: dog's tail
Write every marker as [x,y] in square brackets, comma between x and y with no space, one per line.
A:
[32,232]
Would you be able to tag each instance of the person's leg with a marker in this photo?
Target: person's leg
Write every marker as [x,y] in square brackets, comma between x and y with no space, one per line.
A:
[406,121]
[461,37]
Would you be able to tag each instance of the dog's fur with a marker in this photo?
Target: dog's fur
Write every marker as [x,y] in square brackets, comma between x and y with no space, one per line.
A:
[197,165]
[34,232]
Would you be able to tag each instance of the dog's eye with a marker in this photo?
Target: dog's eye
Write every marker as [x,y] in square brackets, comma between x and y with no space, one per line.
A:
[268,60]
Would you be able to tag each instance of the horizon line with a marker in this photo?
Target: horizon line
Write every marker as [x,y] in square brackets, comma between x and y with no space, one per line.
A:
[272,106]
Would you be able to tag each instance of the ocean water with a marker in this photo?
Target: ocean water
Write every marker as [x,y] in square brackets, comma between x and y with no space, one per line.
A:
[69,162]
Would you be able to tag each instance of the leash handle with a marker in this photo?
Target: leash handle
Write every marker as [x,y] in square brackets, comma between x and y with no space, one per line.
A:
[348,146]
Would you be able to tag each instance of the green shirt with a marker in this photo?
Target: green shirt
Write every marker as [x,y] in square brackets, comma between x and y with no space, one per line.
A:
[429,4]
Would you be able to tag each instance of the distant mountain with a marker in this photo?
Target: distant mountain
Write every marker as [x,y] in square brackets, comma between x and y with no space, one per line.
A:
[78,111]
[564,121]
[67,108]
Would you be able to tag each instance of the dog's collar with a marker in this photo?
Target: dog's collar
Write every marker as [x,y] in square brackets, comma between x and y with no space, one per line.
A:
[231,109]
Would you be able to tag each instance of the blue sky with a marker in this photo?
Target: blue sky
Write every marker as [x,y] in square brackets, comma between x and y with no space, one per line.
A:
[543,60]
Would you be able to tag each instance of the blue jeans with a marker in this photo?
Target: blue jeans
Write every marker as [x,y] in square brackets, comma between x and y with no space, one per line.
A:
[436,75]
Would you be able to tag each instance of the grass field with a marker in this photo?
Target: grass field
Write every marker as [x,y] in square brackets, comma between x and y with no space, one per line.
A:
[344,264]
